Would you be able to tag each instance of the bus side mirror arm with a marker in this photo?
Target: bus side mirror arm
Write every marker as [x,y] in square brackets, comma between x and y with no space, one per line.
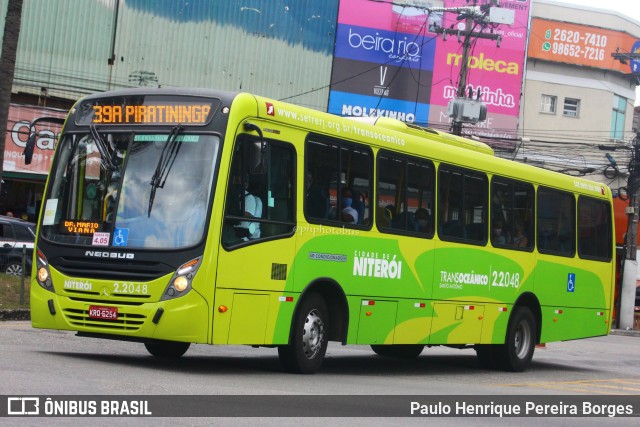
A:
[28,149]
[260,163]
[31,141]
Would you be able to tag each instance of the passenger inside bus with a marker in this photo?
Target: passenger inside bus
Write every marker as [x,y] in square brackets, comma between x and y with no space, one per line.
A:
[252,209]
[317,199]
[349,214]
[520,238]
[423,219]
[496,233]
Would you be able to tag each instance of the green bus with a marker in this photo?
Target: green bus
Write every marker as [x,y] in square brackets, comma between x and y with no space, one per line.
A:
[178,216]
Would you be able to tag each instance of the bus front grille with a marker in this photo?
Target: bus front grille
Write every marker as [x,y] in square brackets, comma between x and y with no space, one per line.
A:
[124,322]
[107,269]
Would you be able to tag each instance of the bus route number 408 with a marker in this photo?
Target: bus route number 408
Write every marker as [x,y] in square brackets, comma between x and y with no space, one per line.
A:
[103,313]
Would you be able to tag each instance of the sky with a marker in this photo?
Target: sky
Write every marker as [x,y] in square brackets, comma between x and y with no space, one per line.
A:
[630,8]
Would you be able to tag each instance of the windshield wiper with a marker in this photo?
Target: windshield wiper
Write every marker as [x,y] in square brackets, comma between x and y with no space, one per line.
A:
[102,148]
[165,162]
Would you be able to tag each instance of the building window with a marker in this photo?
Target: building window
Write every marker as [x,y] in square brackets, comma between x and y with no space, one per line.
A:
[548,104]
[571,107]
[617,117]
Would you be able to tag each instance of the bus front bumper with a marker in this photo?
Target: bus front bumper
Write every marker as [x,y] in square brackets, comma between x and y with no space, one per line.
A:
[183,319]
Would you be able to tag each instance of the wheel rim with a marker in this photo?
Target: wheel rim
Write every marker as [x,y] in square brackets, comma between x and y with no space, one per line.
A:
[14,270]
[522,340]
[312,334]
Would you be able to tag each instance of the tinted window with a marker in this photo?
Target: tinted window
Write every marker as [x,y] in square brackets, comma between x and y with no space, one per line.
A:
[594,229]
[556,222]
[337,182]
[512,217]
[405,194]
[462,205]
[6,231]
[260,196]
[23,234]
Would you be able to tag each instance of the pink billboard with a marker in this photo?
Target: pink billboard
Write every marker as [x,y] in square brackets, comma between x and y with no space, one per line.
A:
[20,117]
[407,69]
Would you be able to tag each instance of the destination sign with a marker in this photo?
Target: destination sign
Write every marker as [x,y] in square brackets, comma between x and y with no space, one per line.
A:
[146,111]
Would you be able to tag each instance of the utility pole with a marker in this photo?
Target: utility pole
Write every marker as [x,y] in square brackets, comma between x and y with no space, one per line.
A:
[465,109]
[630,271]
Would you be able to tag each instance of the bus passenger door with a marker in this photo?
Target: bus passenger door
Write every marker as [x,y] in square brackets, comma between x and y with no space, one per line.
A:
[257,251]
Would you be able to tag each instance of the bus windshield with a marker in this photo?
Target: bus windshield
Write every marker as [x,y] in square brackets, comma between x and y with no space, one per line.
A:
[135,190]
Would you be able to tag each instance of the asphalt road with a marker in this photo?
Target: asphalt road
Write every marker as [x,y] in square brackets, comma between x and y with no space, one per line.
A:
[52,363]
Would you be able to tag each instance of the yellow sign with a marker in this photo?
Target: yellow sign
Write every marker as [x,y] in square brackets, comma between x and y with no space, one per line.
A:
[81,227]
[151,114]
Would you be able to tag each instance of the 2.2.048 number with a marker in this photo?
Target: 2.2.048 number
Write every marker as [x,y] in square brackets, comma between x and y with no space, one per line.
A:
[505,279]
[130,288]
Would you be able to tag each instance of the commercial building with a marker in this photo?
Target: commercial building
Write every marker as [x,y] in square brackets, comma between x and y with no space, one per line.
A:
[578,100]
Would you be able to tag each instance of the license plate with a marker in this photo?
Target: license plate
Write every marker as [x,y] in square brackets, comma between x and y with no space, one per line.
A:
[103,313]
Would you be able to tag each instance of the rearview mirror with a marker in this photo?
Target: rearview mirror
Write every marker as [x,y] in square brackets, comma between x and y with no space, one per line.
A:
[28,149]
[31,141]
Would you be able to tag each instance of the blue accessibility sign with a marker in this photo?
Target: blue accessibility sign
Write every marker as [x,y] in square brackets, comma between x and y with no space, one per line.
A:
[634,64]
[571,282]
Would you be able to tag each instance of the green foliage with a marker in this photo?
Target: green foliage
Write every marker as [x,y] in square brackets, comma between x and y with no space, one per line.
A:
[10,289]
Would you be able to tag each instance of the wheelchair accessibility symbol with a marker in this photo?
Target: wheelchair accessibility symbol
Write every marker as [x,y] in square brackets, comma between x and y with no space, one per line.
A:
[120,236]
[571,282]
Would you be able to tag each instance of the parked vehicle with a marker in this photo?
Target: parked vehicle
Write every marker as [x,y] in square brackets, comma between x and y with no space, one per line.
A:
[14,235]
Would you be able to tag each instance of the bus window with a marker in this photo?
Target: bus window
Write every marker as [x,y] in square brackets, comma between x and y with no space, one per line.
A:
[594,229]
[333,168]
[405,194]
[260,202]
[556,222]
[512,209]
[462,205]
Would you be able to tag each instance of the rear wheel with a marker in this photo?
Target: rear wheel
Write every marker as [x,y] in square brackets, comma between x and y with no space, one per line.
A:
[516,353]
[309,337]
[399,351]
[167,349]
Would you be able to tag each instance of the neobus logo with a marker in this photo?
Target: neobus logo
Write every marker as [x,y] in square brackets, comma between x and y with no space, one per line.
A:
[100,254]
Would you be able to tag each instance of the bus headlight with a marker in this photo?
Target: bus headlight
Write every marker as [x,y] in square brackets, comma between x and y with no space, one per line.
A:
[180,283]
[43,275]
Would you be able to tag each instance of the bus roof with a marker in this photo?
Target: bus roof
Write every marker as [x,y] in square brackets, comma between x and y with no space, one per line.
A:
[383,132]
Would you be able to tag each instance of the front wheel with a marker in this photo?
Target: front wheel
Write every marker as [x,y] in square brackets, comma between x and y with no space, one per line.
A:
[167,349]
[398,351]
[516,353]
[309,337]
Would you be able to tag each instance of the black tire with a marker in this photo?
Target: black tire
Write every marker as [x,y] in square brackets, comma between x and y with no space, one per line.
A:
[167,349]
[309,337]
[516,353]
[398,351]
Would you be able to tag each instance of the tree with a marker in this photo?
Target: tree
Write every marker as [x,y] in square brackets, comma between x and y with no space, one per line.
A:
[7,67]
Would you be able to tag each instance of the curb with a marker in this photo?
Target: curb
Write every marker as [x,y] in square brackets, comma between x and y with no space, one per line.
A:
[625,332]
[15,314]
